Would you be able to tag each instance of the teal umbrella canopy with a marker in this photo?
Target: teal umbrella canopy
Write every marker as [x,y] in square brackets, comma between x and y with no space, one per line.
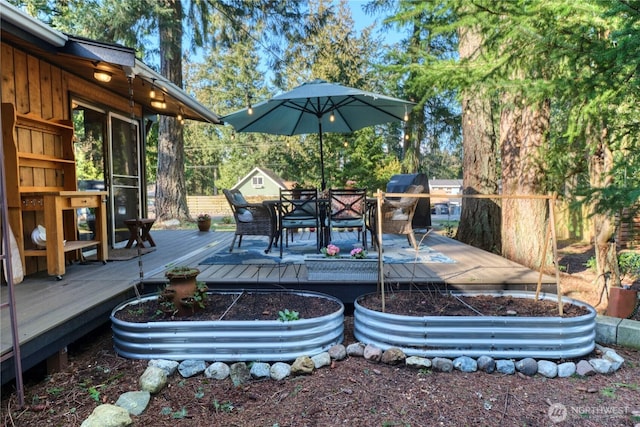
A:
[319,106]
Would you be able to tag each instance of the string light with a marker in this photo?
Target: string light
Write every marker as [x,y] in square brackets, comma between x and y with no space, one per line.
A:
[249,107]
[406,115]
[152,92]
[332,117]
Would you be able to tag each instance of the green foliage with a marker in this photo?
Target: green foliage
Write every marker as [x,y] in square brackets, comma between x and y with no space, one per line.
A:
[629,263]
[222,406]
[199,394]
[55,391]
[591,264]
[180,414]
[288,316]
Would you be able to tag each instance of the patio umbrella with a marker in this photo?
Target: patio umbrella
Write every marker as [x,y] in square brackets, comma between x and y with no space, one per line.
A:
[319,106]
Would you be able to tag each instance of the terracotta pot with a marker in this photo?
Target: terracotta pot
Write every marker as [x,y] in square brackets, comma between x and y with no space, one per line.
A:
[204,225]
[182,283]
[622,302]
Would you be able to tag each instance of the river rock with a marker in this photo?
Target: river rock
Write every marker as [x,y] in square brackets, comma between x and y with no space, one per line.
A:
[191,368]
[321,360]
[547,368]
[303,365]
[280,371]
[372,353]
[418,362]
[613,357]
[601,366]
[108,415]
[442,364]
[169,366]
[153,379]
[356,349]
[506,367]
[486,364]
[584,369]
[465,364]
[337,352]
[135,402]
[260,370]
[566,369]
[527,366]
[393,356]
[239,373]
[217,371]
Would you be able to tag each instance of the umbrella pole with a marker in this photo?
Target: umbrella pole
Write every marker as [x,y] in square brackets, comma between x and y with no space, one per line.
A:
[323,183]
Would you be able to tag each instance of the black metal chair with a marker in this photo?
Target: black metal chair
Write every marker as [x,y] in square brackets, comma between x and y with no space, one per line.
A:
[252,219]
[348,210]
[298,208]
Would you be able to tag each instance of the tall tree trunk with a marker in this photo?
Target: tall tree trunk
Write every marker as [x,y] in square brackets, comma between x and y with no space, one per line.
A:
[480,218]
[171,197]
[604,228]
[524,221]
[414,128]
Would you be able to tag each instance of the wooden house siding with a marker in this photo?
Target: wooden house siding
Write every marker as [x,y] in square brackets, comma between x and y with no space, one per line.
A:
[43,91]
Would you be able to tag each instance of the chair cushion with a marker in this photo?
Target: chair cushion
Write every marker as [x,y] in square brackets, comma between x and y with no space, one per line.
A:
[245,215]
[239,199]
[399,215]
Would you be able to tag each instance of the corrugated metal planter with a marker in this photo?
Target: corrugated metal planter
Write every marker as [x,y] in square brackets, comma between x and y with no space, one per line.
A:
[474,336]
[228,340]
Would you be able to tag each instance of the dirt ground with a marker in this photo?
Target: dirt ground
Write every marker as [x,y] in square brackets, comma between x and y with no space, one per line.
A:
[352,392]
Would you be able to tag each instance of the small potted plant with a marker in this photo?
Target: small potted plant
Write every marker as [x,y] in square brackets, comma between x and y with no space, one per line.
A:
[358,253]
[330,250]
[183,294]
[204,221]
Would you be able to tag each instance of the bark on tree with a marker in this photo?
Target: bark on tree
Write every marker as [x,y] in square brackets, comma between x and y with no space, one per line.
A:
[171,198]
[604,226]
[479,218]
[524,221]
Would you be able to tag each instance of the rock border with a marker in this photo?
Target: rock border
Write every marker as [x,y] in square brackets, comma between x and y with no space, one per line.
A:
[158,371]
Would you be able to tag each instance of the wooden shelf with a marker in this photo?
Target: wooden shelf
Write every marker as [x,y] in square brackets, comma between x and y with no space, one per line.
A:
[42,189]
[72,245]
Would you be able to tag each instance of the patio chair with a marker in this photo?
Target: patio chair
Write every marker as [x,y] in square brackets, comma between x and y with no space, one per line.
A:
[298,208]
[348,210]
[252,219]
[397,216]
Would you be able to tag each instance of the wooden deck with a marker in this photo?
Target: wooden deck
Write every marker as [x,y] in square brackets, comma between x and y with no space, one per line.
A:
[52,313]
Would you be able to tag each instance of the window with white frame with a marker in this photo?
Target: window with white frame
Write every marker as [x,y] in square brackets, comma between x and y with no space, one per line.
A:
[257,182]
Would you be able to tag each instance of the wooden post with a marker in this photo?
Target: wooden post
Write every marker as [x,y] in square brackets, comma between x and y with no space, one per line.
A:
[58,361]
[544,256]
[379,238]
[552,222]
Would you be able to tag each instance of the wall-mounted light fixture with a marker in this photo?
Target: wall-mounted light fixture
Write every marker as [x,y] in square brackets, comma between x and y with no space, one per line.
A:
[159,103]
[102,75]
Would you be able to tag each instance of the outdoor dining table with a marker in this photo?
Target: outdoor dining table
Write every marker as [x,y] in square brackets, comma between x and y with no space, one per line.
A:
[274,206]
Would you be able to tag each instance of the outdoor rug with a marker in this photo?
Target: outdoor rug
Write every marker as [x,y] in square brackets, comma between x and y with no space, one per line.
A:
[396,251]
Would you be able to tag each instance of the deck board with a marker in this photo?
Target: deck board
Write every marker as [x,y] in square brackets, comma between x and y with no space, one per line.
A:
[53,313]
